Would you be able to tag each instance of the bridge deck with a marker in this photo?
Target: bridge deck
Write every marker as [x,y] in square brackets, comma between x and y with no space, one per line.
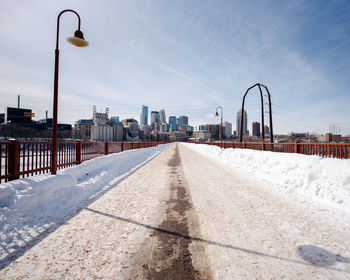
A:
[182,216]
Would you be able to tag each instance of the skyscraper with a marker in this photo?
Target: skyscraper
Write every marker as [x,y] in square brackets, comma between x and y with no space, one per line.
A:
[144,115]
[256,129]
[238,123]
[267,130]
[154,118]
[172,123]
[162,116]
[183,120]
[228,128]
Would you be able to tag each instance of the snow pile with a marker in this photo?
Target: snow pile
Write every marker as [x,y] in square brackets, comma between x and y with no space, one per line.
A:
[325,180]
[32,205]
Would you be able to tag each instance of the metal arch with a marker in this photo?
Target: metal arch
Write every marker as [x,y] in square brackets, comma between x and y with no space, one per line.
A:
[262,111]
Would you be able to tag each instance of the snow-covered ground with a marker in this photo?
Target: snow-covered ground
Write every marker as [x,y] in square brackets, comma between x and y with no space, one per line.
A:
[33,205]
[183,209]
[230,222]
[321,180]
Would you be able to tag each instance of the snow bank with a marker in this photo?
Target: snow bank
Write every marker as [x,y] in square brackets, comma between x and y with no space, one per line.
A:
[325,180]
[32,205]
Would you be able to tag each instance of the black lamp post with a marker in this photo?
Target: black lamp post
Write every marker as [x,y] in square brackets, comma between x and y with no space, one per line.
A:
[217,114]
[79,41]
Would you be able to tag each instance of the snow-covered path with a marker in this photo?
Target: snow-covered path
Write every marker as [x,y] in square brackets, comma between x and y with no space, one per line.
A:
[183,216]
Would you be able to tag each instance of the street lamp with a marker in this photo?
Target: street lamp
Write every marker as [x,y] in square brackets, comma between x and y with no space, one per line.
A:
[79,41]
[216,115]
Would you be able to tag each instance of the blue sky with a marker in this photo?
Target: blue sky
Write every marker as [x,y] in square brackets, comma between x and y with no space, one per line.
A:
[184,56]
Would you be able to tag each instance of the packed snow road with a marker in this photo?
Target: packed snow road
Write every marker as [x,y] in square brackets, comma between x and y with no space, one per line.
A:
[183,216]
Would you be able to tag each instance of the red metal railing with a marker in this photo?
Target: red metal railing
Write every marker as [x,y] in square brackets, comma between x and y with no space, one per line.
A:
[23,159]
[332,150]
[4,161]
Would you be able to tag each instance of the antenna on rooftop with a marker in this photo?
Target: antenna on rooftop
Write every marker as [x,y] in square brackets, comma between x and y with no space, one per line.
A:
[94,109]
[107,110]
[18,102]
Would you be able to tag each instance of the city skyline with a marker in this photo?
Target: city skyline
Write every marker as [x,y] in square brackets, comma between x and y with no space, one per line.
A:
[186,58]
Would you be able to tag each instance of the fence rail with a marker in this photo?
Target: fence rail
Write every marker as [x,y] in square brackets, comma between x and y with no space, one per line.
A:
[331,150]
[23,159]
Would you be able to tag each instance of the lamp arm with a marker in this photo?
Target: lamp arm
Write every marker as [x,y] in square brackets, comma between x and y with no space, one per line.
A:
[58,23]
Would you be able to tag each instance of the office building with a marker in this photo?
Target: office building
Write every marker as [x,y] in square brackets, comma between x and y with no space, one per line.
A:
[162,116]
[2,118]
[144,115]
[214,129]
[256,129]
[172,123]
[164,127]
[183,120]
[267,130]
[245,122]
[228,128]
[155,117]
[201,127]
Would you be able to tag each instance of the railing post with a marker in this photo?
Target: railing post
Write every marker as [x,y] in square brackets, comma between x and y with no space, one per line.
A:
[263,146]
[122,146]
[244,145]
[14,159]
[106,148]
[132,145]
[78,152]
[296,147]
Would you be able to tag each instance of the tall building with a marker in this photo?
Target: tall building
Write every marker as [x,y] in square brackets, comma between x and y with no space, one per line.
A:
[267,130]
[245,122]
[164,127]
[214,129]
[162,116]
[256,129]
[228,128]
[144,115]
[154,117]
[172,123]
[183,120]
[2,118]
